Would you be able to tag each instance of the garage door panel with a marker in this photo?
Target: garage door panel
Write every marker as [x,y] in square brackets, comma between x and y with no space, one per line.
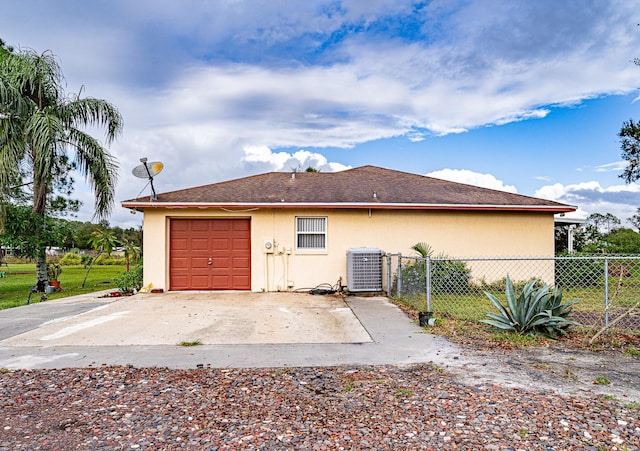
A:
[221,263]
[179,244]
[200,282]
[179,226]
[221,282]
[241,226]
[241,263]
[200,244]
[199,225]
[221,225]
[242,282]
[180,263]
[221,244]
[240,244]
[199,262]
[179,280]
[227,242]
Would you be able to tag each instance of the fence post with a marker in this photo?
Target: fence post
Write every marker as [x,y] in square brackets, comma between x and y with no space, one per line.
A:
[428,271]
[388,275]
[399,284]
[606,292]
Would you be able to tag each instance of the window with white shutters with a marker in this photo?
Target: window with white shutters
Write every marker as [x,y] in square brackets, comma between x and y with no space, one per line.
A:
[311,233]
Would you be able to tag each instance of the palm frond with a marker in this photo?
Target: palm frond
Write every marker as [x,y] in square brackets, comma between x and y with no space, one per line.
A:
[423,249]
[99,166]
[89,111]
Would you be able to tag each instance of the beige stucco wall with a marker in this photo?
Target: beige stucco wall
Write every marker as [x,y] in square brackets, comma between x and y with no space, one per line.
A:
[461,234]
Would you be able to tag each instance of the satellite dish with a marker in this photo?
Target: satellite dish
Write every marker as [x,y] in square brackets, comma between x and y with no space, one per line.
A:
[148,171]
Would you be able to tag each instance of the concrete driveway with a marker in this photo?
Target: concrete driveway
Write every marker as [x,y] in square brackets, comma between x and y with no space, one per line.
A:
[209,318]
[240,330]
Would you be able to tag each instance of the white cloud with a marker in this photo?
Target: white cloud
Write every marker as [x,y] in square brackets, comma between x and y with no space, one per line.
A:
[558,190]
[416,137]
[617,166]
[472,178]
[591,197]
[478,72]
[283,161]
[219,90]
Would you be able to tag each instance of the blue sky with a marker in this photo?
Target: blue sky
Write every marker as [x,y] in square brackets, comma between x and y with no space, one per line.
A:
[516,95]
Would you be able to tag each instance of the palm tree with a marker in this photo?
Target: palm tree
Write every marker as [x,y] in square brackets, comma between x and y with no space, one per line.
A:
[41,127]
[131,252]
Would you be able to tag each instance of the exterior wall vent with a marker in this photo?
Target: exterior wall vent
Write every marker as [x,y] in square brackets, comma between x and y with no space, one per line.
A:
[364,269]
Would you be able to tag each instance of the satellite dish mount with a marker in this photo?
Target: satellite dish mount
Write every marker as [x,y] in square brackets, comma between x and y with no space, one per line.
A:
[148,171]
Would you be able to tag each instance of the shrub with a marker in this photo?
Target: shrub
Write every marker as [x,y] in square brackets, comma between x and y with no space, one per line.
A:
[53,258]
[17,259]
[105,259]
[70,259]
[128,282]
[537,310]
[447,276]
[501,285]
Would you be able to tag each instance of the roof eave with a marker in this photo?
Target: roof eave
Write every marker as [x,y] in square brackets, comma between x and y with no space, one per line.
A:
[347,205]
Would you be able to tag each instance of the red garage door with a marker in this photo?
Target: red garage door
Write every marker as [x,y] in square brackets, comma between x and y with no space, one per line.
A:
[210,254]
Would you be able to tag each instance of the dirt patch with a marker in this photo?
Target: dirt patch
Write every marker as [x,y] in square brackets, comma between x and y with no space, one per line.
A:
[557,368]
[571,366]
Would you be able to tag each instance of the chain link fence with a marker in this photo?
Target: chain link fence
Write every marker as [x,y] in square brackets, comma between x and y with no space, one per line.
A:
[606,286]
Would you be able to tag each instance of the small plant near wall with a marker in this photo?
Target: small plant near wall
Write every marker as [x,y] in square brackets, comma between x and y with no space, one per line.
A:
[129,282]
[536,310]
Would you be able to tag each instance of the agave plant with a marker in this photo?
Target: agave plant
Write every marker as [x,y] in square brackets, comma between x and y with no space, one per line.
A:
[538,310]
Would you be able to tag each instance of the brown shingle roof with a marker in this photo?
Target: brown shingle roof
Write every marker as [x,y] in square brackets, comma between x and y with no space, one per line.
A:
[352,188]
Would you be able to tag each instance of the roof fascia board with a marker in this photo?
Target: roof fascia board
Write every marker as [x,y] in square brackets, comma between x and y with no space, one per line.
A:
[345,205]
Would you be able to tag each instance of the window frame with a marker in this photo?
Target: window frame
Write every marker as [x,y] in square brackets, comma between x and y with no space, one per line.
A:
[298,233]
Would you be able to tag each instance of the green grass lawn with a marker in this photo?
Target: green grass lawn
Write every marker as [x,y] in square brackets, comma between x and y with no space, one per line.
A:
[15,287]
[474,305]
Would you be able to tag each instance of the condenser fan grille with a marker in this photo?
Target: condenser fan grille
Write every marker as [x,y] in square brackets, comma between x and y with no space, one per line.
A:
[364,269]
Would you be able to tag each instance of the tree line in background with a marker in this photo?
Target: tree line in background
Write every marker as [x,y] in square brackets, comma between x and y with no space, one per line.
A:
[603,234]
[65,235]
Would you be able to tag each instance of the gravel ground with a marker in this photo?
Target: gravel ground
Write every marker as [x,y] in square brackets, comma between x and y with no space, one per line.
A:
[412,407]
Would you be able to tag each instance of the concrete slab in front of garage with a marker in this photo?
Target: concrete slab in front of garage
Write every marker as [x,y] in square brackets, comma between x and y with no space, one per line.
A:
[210,318]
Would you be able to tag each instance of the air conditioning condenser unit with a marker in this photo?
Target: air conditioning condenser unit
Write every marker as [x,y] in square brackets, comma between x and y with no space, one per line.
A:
[364,269]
